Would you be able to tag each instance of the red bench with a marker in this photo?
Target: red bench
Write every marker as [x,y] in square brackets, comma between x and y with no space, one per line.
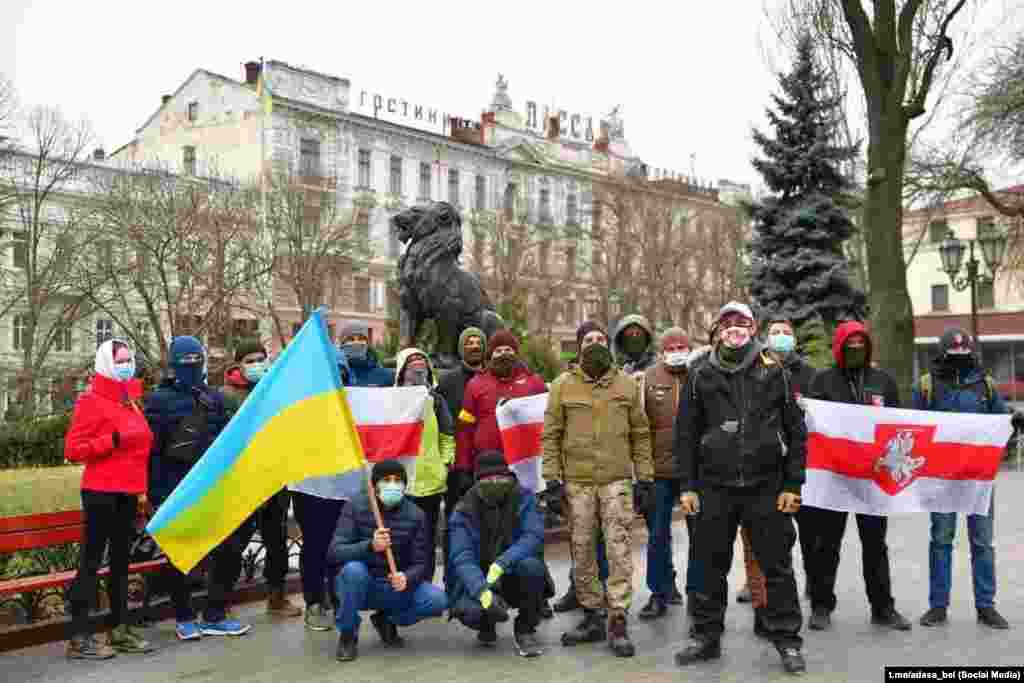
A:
[28,532]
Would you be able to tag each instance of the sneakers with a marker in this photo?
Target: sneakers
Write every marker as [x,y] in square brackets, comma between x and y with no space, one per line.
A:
[892,619]
[654,609]
[744,594]
[527,644]
[590,630]
[991,618]
[387,631]
[124,639]
[348,647]
[224,627]
[792,660]
[319,618]
[488,635]
[699,651]
[618,637]
[88,647]
[278,605]
[568,602]
[187,630]
[821,619]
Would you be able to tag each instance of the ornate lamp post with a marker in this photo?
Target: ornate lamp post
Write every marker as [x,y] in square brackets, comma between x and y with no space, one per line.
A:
[993,249]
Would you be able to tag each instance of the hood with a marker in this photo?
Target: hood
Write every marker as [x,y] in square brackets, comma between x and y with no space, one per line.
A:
[403,357]
[844,332]
[752,353]
[940,365]
[234,377]
[105,357]
[472,332]
[633,319]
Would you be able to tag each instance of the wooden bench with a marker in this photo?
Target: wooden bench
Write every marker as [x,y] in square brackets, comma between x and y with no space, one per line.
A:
[28,532]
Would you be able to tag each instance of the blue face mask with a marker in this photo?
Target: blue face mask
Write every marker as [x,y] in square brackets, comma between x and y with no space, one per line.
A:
[354,353]
[254,372]
[781,343]
[390,492]
[124,371]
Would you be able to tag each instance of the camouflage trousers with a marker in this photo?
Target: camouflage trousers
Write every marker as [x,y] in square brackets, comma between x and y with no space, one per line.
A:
[610,509]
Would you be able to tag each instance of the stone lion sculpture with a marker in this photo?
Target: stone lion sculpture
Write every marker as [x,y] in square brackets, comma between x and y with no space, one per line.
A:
[432,285]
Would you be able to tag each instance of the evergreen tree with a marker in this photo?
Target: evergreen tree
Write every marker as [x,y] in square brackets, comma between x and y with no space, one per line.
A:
[798,268]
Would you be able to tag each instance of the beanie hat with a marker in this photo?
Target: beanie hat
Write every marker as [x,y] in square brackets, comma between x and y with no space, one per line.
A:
[586,328]
[353,327]
[502,338]
[471,332]
[674,335]
[386,468]
[736,307]
[248,346]
[490,463]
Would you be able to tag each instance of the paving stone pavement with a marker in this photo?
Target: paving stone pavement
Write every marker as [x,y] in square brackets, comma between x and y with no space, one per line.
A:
[437,650]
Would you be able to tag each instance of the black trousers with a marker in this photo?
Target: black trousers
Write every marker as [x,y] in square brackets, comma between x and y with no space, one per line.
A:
[272,521]
[808,536]
[772,536]
[828,527]
[431,506]
[317,518]
[109,521]
[522,586]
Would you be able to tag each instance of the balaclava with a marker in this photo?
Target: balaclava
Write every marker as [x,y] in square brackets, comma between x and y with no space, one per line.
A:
[188,361]
[957,349]
[596,358]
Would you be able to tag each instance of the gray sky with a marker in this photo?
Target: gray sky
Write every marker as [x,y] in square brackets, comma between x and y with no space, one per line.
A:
[690,76]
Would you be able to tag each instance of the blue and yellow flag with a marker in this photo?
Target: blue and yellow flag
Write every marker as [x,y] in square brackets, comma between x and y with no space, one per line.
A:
[295,424]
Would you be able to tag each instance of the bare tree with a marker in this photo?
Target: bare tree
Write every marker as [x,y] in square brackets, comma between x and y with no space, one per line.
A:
[8,107]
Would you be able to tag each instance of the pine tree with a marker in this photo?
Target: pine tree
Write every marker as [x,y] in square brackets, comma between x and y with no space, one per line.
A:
[798,268]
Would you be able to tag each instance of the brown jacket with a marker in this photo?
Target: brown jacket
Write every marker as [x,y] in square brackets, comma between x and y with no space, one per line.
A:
[595,432]
[661,392]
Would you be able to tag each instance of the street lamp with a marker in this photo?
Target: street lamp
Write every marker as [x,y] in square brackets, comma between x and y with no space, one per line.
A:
[993,249]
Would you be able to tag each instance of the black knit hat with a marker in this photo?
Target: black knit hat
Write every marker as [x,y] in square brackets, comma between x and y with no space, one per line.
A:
[385,468]
[586,328]
[490,463]
[248,346]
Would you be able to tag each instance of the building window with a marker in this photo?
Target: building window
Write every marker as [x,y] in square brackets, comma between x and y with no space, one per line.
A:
[570,210]
[481,193]
[362,286]
[424,181]
[62,339]
[510,201]
[189,160]
[104,330]
[309,157]
[364,169]
[193,111]
[20,332]
[105,254]
[453,186]
[986,295]
[545,206]
[940,297]
[19,249]
[938,231]
[396,174]
[986,226]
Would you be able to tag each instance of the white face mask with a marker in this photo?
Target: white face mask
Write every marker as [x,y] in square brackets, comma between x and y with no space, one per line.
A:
[676,358]
[736,337]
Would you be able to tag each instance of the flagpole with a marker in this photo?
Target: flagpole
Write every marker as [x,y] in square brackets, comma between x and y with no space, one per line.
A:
[376,514]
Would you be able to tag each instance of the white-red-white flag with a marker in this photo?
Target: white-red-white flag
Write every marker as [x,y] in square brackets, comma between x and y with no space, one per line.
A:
[521,422]
[885,461]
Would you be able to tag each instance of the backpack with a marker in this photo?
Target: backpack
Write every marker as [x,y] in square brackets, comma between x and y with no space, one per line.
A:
[926,389]
[187,440]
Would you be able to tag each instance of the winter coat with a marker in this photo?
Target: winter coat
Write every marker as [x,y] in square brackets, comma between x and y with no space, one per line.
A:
[369,373]
[410,539]
[595,431]
[109,406]
[661,390]
[958,391]
[739,428]
[632,365]
[452,386]
[437,446]
[165,408]
[801,375]
[478,418]
[867,386]
[464,544]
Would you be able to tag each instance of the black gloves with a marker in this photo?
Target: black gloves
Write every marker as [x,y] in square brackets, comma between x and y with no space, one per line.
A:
[643,497]
[498,611]
[1018,420]
[116,438]
[553,497]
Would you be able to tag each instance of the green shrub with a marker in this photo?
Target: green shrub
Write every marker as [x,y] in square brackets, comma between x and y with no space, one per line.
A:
[35,442]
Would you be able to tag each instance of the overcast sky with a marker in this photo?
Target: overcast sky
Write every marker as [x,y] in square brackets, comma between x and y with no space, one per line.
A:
[690,76]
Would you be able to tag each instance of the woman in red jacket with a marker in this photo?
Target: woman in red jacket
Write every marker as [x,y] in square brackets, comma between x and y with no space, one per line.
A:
[111,437]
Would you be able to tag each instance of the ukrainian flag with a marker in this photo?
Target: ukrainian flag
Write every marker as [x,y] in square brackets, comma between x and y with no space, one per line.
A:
[295,424]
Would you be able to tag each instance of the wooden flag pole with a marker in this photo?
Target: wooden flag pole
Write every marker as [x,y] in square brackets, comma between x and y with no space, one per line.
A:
[376,515]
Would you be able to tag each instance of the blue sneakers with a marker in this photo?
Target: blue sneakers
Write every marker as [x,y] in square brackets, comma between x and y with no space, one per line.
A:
[224,627]
[187,630]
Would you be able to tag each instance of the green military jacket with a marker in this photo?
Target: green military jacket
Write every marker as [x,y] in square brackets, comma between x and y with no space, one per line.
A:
[596,432]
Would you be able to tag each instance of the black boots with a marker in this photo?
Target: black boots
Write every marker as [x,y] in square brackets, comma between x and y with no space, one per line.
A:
[991,618]
[590,630]
[892,619]
[654,609]
[699,650]
[348,647]
[821,619]
[568,602]
[387,631]
[618,638]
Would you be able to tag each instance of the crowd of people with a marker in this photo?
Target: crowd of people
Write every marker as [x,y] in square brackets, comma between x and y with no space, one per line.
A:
[639,424]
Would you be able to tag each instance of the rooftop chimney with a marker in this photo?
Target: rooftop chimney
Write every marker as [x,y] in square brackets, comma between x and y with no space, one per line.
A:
[553,128]
[252,72]
[165,99]
[98,154]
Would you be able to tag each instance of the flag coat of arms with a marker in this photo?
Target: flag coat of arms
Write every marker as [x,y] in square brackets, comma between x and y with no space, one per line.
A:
[884,461]
[521,423]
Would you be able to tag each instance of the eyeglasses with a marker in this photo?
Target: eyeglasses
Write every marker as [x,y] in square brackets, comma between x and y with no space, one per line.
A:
[738,321]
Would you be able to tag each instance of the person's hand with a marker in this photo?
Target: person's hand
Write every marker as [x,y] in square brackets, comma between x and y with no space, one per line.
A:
[643,497]
[143,508]
[690,502]
[788,503]
[494,574]
[399,582]
[381,540]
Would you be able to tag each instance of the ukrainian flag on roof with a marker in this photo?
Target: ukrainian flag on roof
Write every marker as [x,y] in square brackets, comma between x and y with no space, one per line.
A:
[295,424]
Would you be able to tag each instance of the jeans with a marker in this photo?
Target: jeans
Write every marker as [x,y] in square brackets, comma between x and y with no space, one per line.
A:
[983,558]
[357,590]
[660,572]
[109,520]
[317,518]
[431,506]
[521,586]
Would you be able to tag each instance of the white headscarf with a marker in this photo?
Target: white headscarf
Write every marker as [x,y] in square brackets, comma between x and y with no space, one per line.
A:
[105,357]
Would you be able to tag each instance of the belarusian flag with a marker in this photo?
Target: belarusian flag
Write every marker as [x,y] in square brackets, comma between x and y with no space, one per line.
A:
[883,461]
[521,421]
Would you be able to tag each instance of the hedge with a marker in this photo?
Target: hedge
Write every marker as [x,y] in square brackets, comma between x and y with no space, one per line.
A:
[33,443]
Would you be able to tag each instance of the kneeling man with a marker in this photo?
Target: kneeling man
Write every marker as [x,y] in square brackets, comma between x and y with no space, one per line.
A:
[497,533]
[365,582]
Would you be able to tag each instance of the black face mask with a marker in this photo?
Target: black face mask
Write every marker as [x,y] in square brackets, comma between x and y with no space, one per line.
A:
[960,361]
[595,360]
[502,366]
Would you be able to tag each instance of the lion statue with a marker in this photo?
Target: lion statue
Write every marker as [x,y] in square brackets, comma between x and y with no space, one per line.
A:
[431,284]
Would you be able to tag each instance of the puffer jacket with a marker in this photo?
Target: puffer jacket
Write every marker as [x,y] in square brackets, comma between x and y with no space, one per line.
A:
[662,390]
[437,446]
[958,391]
[632,365]
[109,406]
[596,432]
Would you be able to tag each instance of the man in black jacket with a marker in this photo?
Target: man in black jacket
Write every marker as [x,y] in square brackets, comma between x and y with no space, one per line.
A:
[452,387]
[853,380]
[365,581]
[741,445]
